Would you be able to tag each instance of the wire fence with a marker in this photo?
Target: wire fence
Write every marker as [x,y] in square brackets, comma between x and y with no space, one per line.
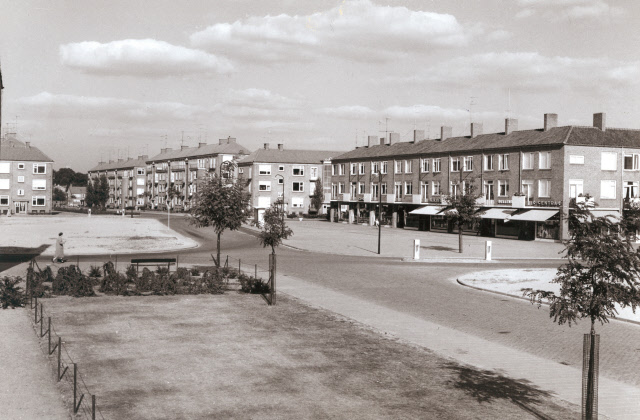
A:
[259,272]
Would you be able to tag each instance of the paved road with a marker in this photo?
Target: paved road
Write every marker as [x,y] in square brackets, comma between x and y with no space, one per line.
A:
[429,291]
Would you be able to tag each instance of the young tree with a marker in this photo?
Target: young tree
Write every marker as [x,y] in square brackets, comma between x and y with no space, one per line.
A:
[318,196]
[220,205]
[90,198]
[59,196]
[274,228]
[602,270]
[102,191]
[464,210]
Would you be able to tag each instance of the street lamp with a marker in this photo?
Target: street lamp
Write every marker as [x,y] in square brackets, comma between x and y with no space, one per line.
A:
[282,176]
[379,208]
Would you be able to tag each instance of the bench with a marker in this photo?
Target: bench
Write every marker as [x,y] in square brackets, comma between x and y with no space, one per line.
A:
[154,261]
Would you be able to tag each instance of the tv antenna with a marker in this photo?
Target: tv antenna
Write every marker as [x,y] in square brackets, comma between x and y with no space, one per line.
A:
[386,127]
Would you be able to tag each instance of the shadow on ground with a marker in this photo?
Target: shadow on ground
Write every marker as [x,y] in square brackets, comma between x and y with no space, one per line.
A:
[439,248]
[11,255]
[486,386]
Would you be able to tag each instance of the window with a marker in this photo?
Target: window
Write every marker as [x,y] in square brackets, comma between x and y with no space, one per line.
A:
[576,159]
[312,188]
[609,161]
[424,191]
[264,185]
[341,169]
[38,200]
[39,184]
[280,181]
[466,187]
[139,191]
[5,167]
[21,192]
[527,188]
[313,172]
[488,163]
[527,161]
[408,188]
[341,188]
[503,162]
[21,165]
[375,168]
[360,188]
[454,189]
[140,171]
[544,160]
[353,189]
[375,190]
[408,166]
[383,188]
[632,162]
[435,188]
[20,178]
[398,166]
[361,168]
[4,200]
[608,189]
[139,181]
[630,189]
[467,164]
[201,163]
[398,190]
[353,169]
[503,188]
[544,188]
[334,170]
[455,164]
[281,168]
[297,202]
[126,174]
[298,186]
[575,187]
[436,165]
[194,175]
[264,169]
[383,167]
[424,165]
[298,170]
[212,163]
[334,190]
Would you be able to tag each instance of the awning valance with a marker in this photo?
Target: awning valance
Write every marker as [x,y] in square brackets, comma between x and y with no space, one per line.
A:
[427,210]
[494,213]
[604,213]
[535,215]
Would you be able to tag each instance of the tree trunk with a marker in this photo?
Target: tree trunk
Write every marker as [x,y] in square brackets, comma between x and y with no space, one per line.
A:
[591,380]
[460,239]
[218,252]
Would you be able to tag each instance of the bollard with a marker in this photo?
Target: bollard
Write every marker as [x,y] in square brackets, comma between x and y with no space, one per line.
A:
[416,249]
[93,407]
[89,213]
[487,251]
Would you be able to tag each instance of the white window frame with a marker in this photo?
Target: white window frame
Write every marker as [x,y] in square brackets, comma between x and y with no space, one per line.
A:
[435,188]
[579,187]
[424,190]
[264,169]
[609,161]
[384,167]
[576,159]
[635,161]
[264,185]
[41,184]
[467,164]
[612,183]
[202,163]
[352,168]
[361,170]
[5,167]
[21,166]
[280,168]
[397,190]
[35,198]
[297,202]
[437,165]
[488,162]
[527,161]
[408,188]
[313,173]
[4,197]
[503,183]
[375,168]
[21,192]
[397,166]
[300,186]
[503,162]
[542,182]
[140,171]
[299,168]
[361,188]
[544,160]
[20,178]
[341,188]
[408,166]
[424,165]
[455,164]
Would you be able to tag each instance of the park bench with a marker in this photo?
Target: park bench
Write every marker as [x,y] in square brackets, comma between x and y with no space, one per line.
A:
[154,262]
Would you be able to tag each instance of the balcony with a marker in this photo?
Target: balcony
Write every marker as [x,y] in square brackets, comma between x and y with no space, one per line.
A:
[388,198]
[364,197]
[412,198]
[629,203]
[160,170]
[344,197]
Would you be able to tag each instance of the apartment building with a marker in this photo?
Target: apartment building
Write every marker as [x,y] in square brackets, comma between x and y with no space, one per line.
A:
[173,175]
[127,181]
[528,179]
[276,174]
[26,178]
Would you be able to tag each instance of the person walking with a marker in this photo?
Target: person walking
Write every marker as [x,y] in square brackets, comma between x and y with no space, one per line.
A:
[59,255]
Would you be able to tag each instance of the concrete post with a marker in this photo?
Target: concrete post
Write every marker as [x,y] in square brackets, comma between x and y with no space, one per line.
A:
[487,251]
[351,216]
[416,249]
[89,212]
[372,217]
[394,219]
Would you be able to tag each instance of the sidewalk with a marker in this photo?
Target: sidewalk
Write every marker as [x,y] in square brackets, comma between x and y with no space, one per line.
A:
[344,239]
[616,400]
[27,387]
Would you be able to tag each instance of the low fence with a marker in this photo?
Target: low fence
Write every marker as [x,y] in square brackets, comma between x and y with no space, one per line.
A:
[258,272]
[85,407]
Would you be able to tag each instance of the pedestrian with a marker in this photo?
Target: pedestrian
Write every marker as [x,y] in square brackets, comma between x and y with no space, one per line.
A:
[59,255]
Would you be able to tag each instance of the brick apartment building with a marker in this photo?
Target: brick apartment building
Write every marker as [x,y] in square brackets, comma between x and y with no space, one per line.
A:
[185,168]
[26,178]
[528,178]
[274,173]
[127,181]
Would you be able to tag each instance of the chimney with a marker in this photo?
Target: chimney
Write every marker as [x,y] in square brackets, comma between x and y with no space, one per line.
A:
[476,129]
[183,147]
[394,138]
[445,133]
[202,144]
[27,144]
[145,157]
[550,121]
[373,140]
[280,146]
[418,135]
[266,146]
[110,160]
[600,121]
[382,141]
[231,140]
[510,125]
[168,149]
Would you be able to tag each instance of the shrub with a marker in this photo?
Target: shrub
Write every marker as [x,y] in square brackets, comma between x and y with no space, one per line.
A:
[250,284]
[95,271]
[11,295]
[143,283]
[70,281]
[212,282]
[112,282]
[163,284]
[35,282]
[195,271]
[182,273]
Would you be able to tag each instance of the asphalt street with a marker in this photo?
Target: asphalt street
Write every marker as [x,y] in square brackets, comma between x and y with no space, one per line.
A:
[429,291]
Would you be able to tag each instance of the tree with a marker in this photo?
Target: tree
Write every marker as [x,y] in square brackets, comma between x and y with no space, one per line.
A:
[274,228]
[220,205]
[66,177]
[318,196]
[59,195]
[101,191]
[463,210]
[90,198]
[602,270]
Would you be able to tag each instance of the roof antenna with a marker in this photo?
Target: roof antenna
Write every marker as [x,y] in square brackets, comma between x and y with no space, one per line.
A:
[509,104]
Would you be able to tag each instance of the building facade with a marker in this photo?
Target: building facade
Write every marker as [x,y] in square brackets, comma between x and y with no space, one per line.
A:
[26,178]
[528,180]
[76,196]
[289,175]
[173,175]
[127,181]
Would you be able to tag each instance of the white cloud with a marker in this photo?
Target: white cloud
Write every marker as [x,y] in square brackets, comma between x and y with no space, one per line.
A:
[525,13]
[348,112]
[498,35]
[569,9]
[140,57]
[261,98]
[356,29]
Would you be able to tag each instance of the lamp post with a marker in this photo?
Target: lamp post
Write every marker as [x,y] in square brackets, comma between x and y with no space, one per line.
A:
[281,176]
[379,209]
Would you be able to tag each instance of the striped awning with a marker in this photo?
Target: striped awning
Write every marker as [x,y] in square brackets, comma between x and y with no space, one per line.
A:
[494,213]
[427,210]
[535,215]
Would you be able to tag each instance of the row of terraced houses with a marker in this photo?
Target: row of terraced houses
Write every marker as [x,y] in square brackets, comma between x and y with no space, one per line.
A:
[528,179]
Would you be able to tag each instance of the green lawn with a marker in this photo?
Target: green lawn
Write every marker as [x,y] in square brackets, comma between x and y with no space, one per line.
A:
[232,356]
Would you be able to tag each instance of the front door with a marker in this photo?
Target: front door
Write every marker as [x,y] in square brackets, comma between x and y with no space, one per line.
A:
[21,206]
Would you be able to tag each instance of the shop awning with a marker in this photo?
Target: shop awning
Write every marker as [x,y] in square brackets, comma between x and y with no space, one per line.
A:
[535,215]
[446,210]
[494,213]
[604,213]
[427,210]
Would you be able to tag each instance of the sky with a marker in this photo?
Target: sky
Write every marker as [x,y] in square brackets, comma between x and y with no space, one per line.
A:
[87,81]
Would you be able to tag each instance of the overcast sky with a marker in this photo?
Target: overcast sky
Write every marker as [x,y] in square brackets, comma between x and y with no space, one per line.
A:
[91,80]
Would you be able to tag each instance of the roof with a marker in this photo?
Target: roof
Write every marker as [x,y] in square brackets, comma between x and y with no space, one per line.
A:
[287,156]
[205,150]
[13,149]
[124,164]
[558,136]
[77,190]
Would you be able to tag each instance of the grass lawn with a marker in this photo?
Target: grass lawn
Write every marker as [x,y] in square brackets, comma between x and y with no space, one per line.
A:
[232,356]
